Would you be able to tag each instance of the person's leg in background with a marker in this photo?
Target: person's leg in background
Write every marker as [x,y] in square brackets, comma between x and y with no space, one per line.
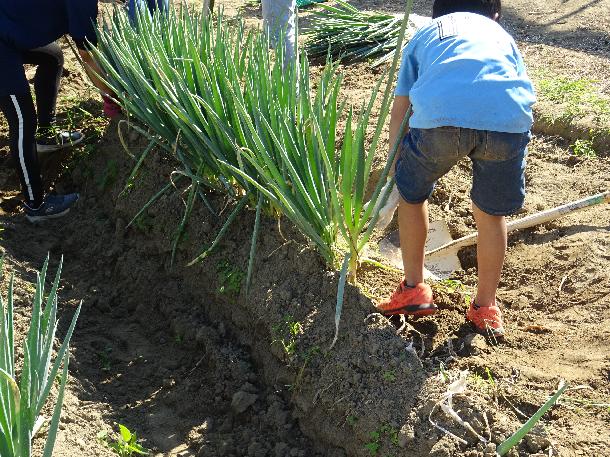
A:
[279,20]
[21,117]
[425,156]
[498,190]
[161,5]
[49,61]
[491,249]
[17,105]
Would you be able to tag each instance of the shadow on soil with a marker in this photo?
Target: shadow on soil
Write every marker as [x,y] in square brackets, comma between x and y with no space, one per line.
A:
[523,25]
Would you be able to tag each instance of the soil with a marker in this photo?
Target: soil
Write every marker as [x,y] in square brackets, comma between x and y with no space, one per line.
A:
[197,367]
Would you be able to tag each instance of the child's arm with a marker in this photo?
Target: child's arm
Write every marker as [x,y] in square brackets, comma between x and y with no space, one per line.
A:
[400,109]
[93,70]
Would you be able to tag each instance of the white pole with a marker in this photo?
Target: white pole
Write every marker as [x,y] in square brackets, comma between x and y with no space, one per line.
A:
[531,220]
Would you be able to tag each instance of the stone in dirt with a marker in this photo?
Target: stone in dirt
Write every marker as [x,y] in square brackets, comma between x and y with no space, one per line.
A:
[280,449]
[406,435]
[474,343]
[536,442]
[490,450]
[241,401]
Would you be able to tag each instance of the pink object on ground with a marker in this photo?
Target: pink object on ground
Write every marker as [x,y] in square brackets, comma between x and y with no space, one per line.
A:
[111,108]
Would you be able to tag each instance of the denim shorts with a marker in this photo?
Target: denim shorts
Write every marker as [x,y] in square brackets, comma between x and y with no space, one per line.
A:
[498,165]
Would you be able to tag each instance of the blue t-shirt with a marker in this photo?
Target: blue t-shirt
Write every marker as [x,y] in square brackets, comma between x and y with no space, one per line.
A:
[29,24]
[464,70]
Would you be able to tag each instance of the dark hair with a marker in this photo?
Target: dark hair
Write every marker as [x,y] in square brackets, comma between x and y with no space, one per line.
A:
[485,7]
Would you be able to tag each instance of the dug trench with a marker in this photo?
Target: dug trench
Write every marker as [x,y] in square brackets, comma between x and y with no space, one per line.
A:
[184,357]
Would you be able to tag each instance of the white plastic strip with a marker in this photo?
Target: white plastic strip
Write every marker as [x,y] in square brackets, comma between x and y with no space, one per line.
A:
[24,169]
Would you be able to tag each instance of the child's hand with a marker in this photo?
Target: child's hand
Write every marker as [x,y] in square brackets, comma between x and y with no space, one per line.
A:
[111,108]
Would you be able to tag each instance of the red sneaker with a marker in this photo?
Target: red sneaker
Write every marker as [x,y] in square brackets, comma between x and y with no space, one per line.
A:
[413,301]
[487,320]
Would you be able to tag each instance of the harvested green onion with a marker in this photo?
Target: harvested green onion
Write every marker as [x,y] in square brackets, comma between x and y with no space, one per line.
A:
[352,35]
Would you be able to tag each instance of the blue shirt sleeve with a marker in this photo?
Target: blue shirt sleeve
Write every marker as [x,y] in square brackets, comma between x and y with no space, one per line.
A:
[82,17]
[408,72]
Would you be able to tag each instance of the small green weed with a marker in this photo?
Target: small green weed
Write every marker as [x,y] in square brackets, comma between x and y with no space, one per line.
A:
[126,445]
[375,443]
[351,420]
[312,351]
[229,277]
[490,378]
[477,380]
[143,222]
[584,148]
[389,375]
[80,159]
[455,286]
[307,358]
[109,176]
[104,357]
[390,432]
[579,97]
[385,431]
[483,382]
[442,371]
[372,447]
[286,334]
[76,111]
[452,285]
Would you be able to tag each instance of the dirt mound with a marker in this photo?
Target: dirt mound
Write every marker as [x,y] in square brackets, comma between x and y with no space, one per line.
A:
[185,358]
[255,370]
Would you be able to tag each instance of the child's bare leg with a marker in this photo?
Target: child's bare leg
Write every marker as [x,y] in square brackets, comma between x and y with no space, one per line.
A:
[413,296]
[413,229]
[491,248]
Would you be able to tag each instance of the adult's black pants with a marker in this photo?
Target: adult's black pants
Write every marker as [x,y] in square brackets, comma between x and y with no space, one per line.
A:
[23,122]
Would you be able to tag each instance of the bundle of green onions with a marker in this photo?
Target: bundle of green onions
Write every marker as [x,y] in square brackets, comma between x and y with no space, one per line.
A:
[352,35]
[304,3]
[246,122]
[299,3]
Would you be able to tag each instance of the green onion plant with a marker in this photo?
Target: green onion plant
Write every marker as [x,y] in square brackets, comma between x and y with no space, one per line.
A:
[320,189]
[349,34]
[23,397]
[516,437]
[248,122]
